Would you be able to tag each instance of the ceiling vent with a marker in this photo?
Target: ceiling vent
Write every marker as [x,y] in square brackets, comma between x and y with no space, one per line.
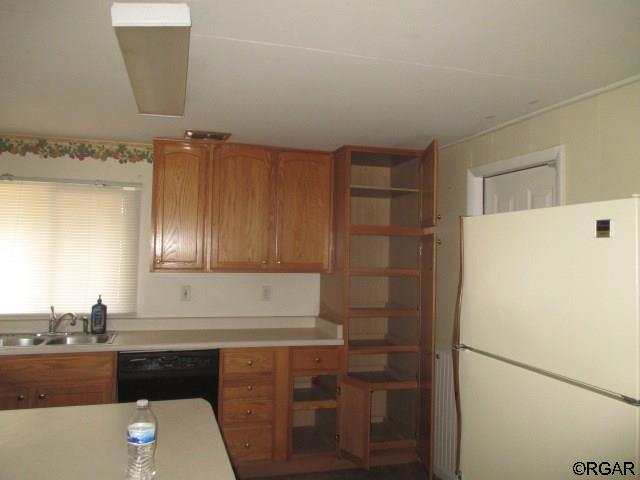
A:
[154,40]
[203,135]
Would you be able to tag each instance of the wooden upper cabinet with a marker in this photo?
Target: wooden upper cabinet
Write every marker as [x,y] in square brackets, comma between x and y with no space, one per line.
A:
[429,179]
[231,207]
[242,208]
[303,212]
[179,205]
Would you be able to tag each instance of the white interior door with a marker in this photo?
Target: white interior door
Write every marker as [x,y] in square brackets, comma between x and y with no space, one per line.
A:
[520,190]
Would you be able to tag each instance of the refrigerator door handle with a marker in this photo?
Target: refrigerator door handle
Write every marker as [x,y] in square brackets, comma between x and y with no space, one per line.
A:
[461,347]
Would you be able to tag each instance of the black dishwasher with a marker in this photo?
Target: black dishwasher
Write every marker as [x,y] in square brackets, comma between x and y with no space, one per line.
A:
[168,376]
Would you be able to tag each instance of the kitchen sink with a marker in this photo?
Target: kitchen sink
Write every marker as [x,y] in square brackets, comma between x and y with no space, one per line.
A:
[82,339]
[20,340]
[32,340]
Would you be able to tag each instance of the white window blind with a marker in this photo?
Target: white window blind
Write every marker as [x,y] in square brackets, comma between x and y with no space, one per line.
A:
[63,244]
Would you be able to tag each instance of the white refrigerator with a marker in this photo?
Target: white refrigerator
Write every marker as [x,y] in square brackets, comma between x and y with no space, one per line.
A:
[549,343]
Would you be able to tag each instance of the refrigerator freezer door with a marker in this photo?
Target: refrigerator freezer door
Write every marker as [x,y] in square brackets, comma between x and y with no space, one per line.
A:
[540,288]
[519,424]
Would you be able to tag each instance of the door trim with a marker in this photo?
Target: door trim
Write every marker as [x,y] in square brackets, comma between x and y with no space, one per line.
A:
[475,176]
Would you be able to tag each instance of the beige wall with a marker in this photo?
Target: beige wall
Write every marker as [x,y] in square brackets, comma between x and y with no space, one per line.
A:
[601,135]
[213,294]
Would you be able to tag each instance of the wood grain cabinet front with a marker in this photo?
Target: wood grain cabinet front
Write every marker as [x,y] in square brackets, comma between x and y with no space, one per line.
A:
[303,211]
[240,208]
[247,403]
[57,380]
[249,444]
[247,361]
[180,184]
[271,209]
[315,359]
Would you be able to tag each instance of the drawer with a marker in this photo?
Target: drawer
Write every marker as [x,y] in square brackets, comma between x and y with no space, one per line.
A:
[248,388]
[250,410]
[315,359]
[249,444]
[247,360]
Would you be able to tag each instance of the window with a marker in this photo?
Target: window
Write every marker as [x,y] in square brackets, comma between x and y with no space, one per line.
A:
[63,244]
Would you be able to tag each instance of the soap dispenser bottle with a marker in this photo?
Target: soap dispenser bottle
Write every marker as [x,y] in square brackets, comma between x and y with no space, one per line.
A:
[99,317]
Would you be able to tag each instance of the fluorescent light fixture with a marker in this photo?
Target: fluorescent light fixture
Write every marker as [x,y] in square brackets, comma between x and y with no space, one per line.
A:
[154,41]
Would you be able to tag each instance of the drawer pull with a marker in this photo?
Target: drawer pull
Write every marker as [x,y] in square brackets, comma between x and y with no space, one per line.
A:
[249,412]
[249,387]
[317,359]
[20,397]
[250,362]
[42,396]
[247,445]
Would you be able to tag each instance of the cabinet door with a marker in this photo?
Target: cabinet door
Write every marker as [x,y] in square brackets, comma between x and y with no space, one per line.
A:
[242,208]
[69,394]
[355,421]
[429,182]
[179,205]
[13,397]
[425,430]
[303,215]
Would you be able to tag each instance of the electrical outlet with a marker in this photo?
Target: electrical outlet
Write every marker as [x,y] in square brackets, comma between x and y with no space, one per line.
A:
[265,294]
[185,293]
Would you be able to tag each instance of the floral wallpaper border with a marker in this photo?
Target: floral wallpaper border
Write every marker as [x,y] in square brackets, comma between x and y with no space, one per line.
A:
[79,149]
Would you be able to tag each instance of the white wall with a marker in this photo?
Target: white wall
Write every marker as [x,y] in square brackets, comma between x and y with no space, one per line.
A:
[213,294]
[601,135]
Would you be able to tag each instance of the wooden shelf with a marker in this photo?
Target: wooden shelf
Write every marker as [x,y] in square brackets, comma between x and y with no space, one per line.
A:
[381,345]
[381,157]
[313,398]
[370,191]
[385,380]
[383,312]
[385,230]
[386,435]
[384,272]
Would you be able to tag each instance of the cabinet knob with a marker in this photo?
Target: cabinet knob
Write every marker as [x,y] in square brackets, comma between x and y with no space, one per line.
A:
[317,359]
[42,396]
[439,241]
[20,397]
[158,261]
[250,362]
[439,217]
[247,445]
[249,412]
[264,262]
[249,387]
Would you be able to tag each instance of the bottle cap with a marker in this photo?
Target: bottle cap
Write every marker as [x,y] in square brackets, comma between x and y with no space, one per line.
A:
[100,298]
[142,403]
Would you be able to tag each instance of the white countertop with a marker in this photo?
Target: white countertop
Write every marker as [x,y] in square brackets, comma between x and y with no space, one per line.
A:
[319,333]
[68,443]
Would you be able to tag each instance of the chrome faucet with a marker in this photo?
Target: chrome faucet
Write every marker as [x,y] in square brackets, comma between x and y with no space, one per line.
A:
[54,321]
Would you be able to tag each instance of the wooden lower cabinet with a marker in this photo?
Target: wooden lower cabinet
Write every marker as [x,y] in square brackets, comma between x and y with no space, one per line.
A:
[57,380]
[251,403]
[13,397]
[249,444]
[278,409]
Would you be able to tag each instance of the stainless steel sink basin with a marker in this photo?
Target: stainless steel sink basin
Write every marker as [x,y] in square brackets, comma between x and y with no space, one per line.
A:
[20,340]
[32,340]
[82,339]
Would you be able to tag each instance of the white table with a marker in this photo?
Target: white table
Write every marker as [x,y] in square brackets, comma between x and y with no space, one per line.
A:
[89,442]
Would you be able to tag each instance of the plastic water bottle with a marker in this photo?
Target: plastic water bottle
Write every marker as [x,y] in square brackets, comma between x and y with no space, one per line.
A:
[141,439]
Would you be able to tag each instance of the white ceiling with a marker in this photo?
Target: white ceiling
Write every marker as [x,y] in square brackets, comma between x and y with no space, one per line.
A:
[318,73]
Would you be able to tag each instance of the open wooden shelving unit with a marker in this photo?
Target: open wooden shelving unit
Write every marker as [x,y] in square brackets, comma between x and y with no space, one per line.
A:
[380,292]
